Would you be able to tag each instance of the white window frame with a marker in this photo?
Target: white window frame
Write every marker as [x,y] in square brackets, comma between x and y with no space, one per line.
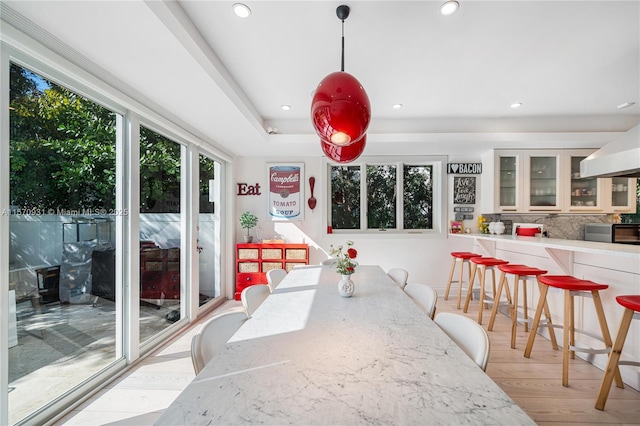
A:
[439,229]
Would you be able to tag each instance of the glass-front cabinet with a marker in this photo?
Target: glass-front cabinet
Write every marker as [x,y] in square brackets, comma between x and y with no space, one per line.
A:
[509,185]
[623,194]
[583,194]
[543,173]
[525,181]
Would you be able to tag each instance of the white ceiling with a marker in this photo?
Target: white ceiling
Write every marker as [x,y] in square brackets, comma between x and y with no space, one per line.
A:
[225,78]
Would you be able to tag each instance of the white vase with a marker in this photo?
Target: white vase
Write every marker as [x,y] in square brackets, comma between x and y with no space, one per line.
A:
[492,227]
[346,286]
[499,228]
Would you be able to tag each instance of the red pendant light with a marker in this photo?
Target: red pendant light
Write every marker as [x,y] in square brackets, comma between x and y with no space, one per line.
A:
[344,153]
[340,109]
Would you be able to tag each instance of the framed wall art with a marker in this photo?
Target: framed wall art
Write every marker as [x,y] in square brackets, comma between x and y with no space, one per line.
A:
[285,196]
[464,190]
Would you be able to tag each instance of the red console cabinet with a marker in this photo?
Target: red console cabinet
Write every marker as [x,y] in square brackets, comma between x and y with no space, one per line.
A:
[253,261]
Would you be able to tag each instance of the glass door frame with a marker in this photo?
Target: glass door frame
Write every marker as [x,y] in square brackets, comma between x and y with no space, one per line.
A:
[529,191]
[219,183]
[572,180]
[518,195]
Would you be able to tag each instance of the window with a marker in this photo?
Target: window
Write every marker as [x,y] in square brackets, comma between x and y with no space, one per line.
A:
[398,196]
[345,197]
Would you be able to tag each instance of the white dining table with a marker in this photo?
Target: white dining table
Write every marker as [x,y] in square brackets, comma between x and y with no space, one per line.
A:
[308,356]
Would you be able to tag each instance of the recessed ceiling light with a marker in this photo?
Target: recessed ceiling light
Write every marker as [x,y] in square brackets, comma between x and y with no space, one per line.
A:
[241,10]
[449,8]
[516,105]
[626,105]
[286,107]
[397,106]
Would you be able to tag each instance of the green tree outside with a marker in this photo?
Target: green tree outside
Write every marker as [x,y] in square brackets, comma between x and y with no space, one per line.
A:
[63,152]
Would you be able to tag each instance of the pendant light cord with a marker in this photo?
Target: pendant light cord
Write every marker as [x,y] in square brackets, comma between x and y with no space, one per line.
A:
[342,67]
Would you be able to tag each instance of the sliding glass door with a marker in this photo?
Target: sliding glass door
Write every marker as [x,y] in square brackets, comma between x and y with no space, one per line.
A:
[160,233]
[62,248]
[208,245]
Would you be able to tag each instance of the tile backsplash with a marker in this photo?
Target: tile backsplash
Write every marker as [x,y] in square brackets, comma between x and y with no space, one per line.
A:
[568,227]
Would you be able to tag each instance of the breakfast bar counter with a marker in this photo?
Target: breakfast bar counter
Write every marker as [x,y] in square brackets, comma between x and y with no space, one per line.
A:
[624,250]
[563,252]
[617,265]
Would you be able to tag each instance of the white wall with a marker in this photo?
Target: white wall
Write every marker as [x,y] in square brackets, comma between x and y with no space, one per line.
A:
[427,259]
[36,241]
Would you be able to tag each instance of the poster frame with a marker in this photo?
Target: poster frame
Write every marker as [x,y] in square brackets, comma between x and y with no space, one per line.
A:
[298,213]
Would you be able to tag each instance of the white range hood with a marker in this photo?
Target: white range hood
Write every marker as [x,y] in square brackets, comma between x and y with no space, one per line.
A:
[619,158]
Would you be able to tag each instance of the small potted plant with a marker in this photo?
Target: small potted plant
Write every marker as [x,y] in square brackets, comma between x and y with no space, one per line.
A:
[247,221]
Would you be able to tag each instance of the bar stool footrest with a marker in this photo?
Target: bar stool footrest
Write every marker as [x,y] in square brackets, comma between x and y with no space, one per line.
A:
[589,350]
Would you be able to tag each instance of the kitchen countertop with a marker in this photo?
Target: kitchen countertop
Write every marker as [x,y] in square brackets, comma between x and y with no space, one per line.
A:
[624,250]
[616,265]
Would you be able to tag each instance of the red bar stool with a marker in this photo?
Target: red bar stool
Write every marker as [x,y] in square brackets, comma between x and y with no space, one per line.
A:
[631,311]
[483,263]
[463,257]
[572,287]
[522,274]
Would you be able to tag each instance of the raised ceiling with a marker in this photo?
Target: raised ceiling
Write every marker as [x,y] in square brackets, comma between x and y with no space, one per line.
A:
[570,63]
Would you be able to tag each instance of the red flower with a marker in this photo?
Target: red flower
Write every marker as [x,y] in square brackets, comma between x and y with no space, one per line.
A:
[352,253]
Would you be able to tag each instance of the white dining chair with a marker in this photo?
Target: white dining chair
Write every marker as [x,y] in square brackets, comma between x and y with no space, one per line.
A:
[213,335]
[424,296]
[467,334]
[253,296]
[274,277]
[399,276]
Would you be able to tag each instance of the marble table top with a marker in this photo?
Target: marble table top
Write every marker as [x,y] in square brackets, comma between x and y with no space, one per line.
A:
[308,356]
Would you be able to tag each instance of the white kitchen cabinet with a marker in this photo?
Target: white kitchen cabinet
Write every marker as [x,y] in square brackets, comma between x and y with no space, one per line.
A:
[502,192]
[584,195]
[543,173]
[548,181]
[620,194]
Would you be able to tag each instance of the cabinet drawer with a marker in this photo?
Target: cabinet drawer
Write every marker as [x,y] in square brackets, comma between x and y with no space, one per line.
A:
[268,266]
[248,267]
[300,254]
[272,253]
[244,280]
[248,253]
[288,266]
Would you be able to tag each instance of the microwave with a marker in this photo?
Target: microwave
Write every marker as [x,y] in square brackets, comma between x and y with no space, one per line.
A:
[621,233]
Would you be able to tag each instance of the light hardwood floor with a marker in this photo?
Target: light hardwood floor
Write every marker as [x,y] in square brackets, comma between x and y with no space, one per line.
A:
[141,396]
[535,383]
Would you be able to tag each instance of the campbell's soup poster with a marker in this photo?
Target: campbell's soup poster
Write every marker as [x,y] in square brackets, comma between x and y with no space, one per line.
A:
[285,195]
